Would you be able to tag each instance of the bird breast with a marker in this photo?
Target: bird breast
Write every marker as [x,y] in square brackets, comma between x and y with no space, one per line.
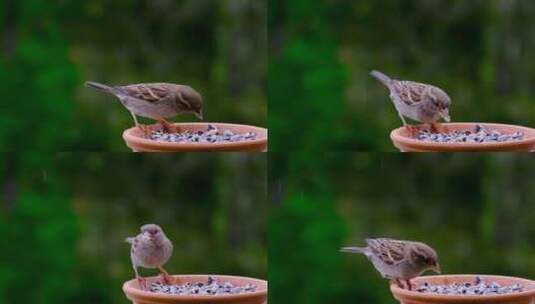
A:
[150,254]
[428,114]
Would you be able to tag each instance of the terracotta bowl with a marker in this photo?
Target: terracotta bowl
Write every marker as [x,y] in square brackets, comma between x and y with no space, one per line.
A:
[405,143]
[135,140]
[413,297]
[138,296]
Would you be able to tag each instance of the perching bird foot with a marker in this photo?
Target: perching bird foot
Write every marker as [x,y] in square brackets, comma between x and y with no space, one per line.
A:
[145,130]
[413,131]
[168,127]
[167,279]
[434,128]
[142,283]
[407,284]
[442,128]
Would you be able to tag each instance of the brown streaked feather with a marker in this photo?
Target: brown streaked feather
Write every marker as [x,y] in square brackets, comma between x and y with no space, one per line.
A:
[390,251]
[410,92]
[148,92]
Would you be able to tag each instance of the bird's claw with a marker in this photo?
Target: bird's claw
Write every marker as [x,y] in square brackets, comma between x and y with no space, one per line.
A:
[142,283]
[434,128]
[413,131]
[145,130]
[168,127]
[407,284]
[167,279]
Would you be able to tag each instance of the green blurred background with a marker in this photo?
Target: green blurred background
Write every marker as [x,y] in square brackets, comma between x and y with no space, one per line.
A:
[321,51]
[475,210]
[49,48]
[64,220]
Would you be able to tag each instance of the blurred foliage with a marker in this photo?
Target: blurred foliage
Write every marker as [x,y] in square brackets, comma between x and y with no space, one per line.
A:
[64,220]
[316,229]
[321,51]
[49,48]
[306,82]
[475,210]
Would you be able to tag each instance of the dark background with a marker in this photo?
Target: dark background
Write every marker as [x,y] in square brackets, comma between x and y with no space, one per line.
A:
[321,52]
[475,210]
[50,48]
[64,220]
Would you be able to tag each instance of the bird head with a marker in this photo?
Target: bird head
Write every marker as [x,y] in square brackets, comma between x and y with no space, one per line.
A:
[441,102]
[191,100]
[152,230]
[425,257]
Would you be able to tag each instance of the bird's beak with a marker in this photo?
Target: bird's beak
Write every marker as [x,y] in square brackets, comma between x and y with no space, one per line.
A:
[199,115]
[445,114]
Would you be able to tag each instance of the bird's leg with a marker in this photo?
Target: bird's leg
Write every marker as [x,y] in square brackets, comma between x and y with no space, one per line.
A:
[409,284]
[398,282]
[146,130]
[403,120]
[143,128]
[140,280]
[167,126]
[142,283]
[434,128]
[411,129]
[135,119]
[166,278]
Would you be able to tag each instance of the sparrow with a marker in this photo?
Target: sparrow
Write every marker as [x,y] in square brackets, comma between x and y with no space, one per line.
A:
[150,249]
[417,101]
[155,100]
[398,260]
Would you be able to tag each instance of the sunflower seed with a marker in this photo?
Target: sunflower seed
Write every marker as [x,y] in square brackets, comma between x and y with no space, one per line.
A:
[211,135]
[478,287]
[480,135]
[211,287]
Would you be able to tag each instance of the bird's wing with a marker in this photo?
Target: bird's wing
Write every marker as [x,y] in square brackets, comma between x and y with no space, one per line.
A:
[134,241]
[390,251]
[411,93]
[150,92]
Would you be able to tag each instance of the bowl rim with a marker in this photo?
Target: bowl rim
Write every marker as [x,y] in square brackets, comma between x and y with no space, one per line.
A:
[138,293]
[396,136]
[396,290]
[130,137]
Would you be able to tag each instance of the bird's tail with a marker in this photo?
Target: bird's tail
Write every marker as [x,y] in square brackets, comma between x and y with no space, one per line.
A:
[99,86]
[353,250]
[381,77]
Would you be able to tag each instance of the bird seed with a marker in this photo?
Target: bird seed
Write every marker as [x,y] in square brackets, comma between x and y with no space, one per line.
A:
[211,287]
[478,287]
[211,135]
[479,135]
